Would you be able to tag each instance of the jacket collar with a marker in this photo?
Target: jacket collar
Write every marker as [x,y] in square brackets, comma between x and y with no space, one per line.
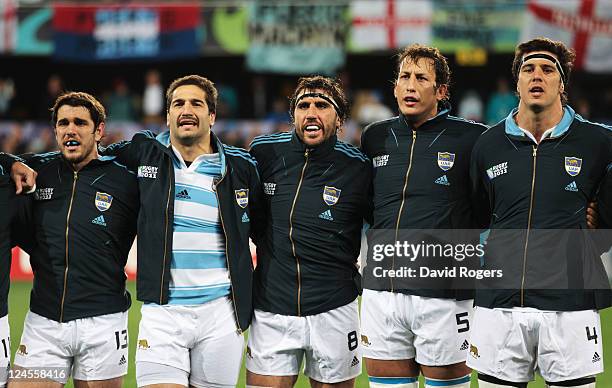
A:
[561,128]
[164,139]
[315,152]
[101,160]
[430,123]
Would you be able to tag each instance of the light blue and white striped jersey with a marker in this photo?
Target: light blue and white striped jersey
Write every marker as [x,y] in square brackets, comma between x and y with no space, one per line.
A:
[198,270]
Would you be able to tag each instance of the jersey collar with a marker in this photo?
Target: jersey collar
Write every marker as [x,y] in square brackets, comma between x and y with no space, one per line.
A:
[442,114]
[319,151]
[561,128]
[164,139]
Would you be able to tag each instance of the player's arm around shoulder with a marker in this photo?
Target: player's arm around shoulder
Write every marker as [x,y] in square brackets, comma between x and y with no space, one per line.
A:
[23,232]
[22,229]
[267,148]
[6,162]
[23,176]
[18,208]
[130,152]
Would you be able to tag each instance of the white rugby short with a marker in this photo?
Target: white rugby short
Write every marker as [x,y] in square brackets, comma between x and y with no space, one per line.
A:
[5,350]
[397,326]
[510,343]
[93,348]
[329,340]
[201,340]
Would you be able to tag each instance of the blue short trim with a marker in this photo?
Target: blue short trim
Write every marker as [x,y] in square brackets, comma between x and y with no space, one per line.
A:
[393,380]
[446,383]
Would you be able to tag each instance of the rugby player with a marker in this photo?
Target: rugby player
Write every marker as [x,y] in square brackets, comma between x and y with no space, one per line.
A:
[78,227]
[197,201]
[316,198]
[421,181]
[537,170]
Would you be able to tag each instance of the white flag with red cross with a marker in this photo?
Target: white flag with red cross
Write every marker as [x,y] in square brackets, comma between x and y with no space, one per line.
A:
[585,25]
[8,25]
[389,24]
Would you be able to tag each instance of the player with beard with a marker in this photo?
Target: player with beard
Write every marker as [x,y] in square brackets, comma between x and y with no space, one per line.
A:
[315,200]
[78,227]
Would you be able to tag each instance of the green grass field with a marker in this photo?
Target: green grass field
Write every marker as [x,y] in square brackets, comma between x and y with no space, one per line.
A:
[20,295]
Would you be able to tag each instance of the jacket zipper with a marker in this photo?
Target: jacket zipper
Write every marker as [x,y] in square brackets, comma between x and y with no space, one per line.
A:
[297,260]
[399,214]
[229,270]
[533,175]
[74,181]
[161,286]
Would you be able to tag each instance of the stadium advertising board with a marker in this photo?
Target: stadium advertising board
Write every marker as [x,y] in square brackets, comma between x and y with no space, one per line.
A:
[296,38]
[491,26]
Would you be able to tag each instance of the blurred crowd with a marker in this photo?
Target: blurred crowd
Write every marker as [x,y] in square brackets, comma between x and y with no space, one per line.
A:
[132,110]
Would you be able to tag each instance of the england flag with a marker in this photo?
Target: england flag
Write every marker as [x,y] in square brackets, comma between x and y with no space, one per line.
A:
[389,24]
[585,25]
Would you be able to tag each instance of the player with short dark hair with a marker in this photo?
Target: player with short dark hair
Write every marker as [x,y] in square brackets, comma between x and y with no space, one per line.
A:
[78,227]
[565,60]
[421,181]
[198,200]
[305,292]
[536,171]
[76,99]
[206,85]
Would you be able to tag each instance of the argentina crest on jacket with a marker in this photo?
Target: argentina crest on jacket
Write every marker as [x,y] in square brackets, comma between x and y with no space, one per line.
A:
[103,201]
[573,165]
[331,195]
[242,197]
[446,160]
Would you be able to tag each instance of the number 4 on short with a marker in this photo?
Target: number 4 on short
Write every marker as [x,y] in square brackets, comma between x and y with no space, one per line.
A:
[593,336]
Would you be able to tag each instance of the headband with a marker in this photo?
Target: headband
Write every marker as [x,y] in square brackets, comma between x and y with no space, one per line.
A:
[548,57]
[320,95]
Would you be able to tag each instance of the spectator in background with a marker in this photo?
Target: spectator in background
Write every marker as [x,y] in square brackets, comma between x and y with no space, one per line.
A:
[55,87]
[369,108]
[471,106]
[501,102]
[279,113]
[583,107]
[233,137]
[259,96]
[42,142]
[121,103]
[14,143]
[228,101]
[153,99]
[7,92]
